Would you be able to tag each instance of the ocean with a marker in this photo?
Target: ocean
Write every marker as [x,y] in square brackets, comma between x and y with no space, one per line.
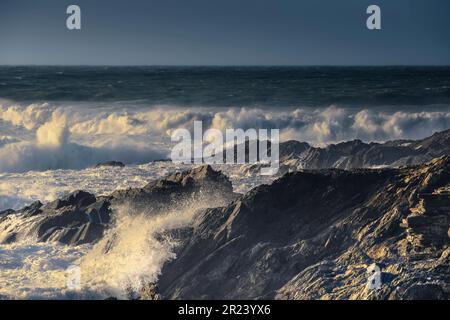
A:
[270,87]
[57,123]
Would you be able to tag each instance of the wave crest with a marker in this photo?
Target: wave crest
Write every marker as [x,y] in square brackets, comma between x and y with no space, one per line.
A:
[71,137]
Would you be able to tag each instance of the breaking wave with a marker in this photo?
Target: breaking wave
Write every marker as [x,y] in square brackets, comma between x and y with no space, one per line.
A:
[129,256]
[52,149]
[132,254]
[42,136]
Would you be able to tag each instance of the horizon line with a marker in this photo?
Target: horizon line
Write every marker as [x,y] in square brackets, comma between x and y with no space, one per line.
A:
[227,65]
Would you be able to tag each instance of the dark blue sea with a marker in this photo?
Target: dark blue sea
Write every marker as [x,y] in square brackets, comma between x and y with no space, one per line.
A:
[231,86]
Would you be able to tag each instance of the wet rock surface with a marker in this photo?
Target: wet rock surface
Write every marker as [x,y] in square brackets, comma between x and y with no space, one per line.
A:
[313,234]
[80,217]
[357,154]
[110,164]
[295,155]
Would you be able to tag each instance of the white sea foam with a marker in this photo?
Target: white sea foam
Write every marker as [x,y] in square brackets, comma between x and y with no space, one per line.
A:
[36,271]
[76,136]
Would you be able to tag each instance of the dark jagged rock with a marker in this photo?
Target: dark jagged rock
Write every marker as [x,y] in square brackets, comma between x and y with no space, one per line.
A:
[32,209]
[73,219]
[80,217]
[201,183]
[110,164]
[428,224]
[291,148]
[427,291]
[312,235]
[357,154]
[77,199]
[6,212]
[295,155]
[287,150]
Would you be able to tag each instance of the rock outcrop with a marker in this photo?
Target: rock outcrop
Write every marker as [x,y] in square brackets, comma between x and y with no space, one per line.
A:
[110,164]
[80,217]
[357,154]
[428,224]
[201,184]
[295,155]
[313,234]
[348,155]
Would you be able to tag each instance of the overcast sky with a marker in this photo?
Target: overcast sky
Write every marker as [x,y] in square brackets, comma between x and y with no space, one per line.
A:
[225,32]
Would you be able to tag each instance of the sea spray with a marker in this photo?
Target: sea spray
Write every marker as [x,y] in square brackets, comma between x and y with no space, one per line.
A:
[130,255]
[134,251]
